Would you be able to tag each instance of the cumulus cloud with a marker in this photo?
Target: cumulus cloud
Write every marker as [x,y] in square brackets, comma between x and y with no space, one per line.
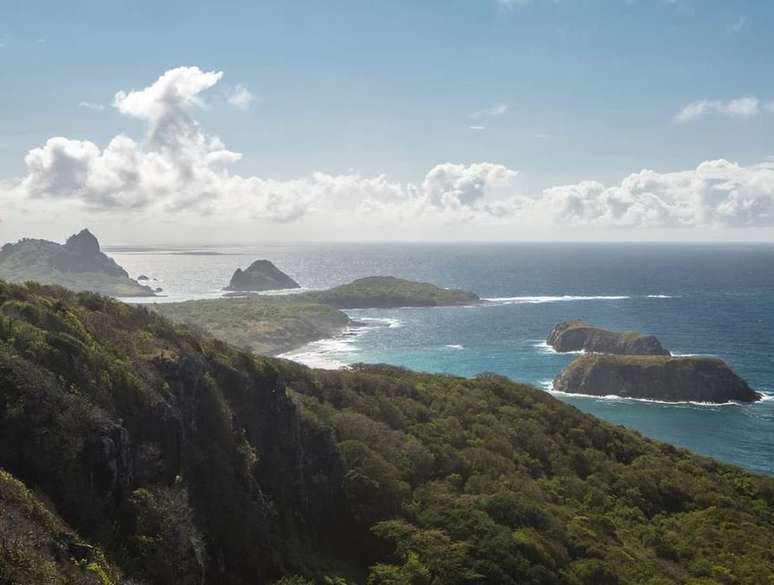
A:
[716,193]
[240,97]
[743,107]
[177,168]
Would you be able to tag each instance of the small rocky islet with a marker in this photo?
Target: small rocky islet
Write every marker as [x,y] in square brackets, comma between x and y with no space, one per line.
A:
[261,275]
[634,365]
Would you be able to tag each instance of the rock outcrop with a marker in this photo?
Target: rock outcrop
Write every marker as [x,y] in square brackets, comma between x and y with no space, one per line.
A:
[260,275]
[671,379]
[78,264]
[582,336]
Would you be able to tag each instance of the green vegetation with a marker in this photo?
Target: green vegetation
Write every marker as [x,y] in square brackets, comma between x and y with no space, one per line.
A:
[188,461]
[37,548]
[274,324]
[388,291]
[263,324]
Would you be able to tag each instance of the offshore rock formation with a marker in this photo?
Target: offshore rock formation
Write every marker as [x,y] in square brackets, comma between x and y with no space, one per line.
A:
[671,379]
[260,275]
[78,264]
[582,336]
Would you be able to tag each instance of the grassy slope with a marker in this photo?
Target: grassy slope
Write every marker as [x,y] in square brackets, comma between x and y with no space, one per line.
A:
[444,479]
[264,324]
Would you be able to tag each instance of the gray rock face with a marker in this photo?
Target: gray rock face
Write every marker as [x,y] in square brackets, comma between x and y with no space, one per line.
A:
[671,379]
[580,335]
[260,275]
[81,253]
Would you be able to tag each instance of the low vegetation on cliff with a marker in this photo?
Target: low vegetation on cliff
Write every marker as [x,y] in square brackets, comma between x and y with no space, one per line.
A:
[264,324]
[183,460]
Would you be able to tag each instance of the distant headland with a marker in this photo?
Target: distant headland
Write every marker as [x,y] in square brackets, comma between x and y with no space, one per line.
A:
[78,264]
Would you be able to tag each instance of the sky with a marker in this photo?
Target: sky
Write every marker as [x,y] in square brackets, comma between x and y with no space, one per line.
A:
[245,121]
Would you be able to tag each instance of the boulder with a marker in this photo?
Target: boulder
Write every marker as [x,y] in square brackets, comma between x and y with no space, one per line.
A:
[582,336]
[665,378]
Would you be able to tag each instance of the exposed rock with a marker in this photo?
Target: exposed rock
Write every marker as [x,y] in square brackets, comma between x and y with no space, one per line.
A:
[671,379]
[260,275]
[143,277]
[582,336]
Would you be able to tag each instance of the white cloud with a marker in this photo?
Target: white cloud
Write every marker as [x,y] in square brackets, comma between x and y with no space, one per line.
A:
[240,97]
[92,106]
[491,111]
[716,193]
[742,107]
[177,171]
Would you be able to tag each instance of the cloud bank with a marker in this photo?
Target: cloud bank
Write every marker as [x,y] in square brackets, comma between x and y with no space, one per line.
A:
[742,107]
[178,170]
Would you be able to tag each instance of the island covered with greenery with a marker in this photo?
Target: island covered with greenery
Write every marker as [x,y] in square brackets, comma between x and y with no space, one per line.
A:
[137,451]
[384,292]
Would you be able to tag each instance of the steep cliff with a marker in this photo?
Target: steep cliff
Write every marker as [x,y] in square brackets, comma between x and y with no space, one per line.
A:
[166,457]
[672,379]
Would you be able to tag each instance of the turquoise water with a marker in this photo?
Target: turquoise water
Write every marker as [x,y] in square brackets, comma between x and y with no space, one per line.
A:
[698,299]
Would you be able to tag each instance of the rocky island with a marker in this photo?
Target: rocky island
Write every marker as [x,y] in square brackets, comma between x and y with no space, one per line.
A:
[78,264]
[583,336]
[261,275]
[670,379]
[386,292]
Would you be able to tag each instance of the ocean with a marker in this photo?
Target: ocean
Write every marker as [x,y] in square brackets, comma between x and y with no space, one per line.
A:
[699,299]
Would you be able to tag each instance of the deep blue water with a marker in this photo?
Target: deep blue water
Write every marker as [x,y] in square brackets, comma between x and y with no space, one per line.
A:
[698,299]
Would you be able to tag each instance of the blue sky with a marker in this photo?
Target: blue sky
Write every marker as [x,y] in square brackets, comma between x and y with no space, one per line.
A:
[560,91]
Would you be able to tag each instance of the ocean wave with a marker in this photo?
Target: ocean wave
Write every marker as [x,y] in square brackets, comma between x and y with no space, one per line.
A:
[548,386]
[552,299]
[454,346]
[382,321]
[659,297]
[544,348]
[328,354]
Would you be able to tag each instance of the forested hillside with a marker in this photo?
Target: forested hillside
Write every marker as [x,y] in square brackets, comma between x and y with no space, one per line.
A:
[181,459]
